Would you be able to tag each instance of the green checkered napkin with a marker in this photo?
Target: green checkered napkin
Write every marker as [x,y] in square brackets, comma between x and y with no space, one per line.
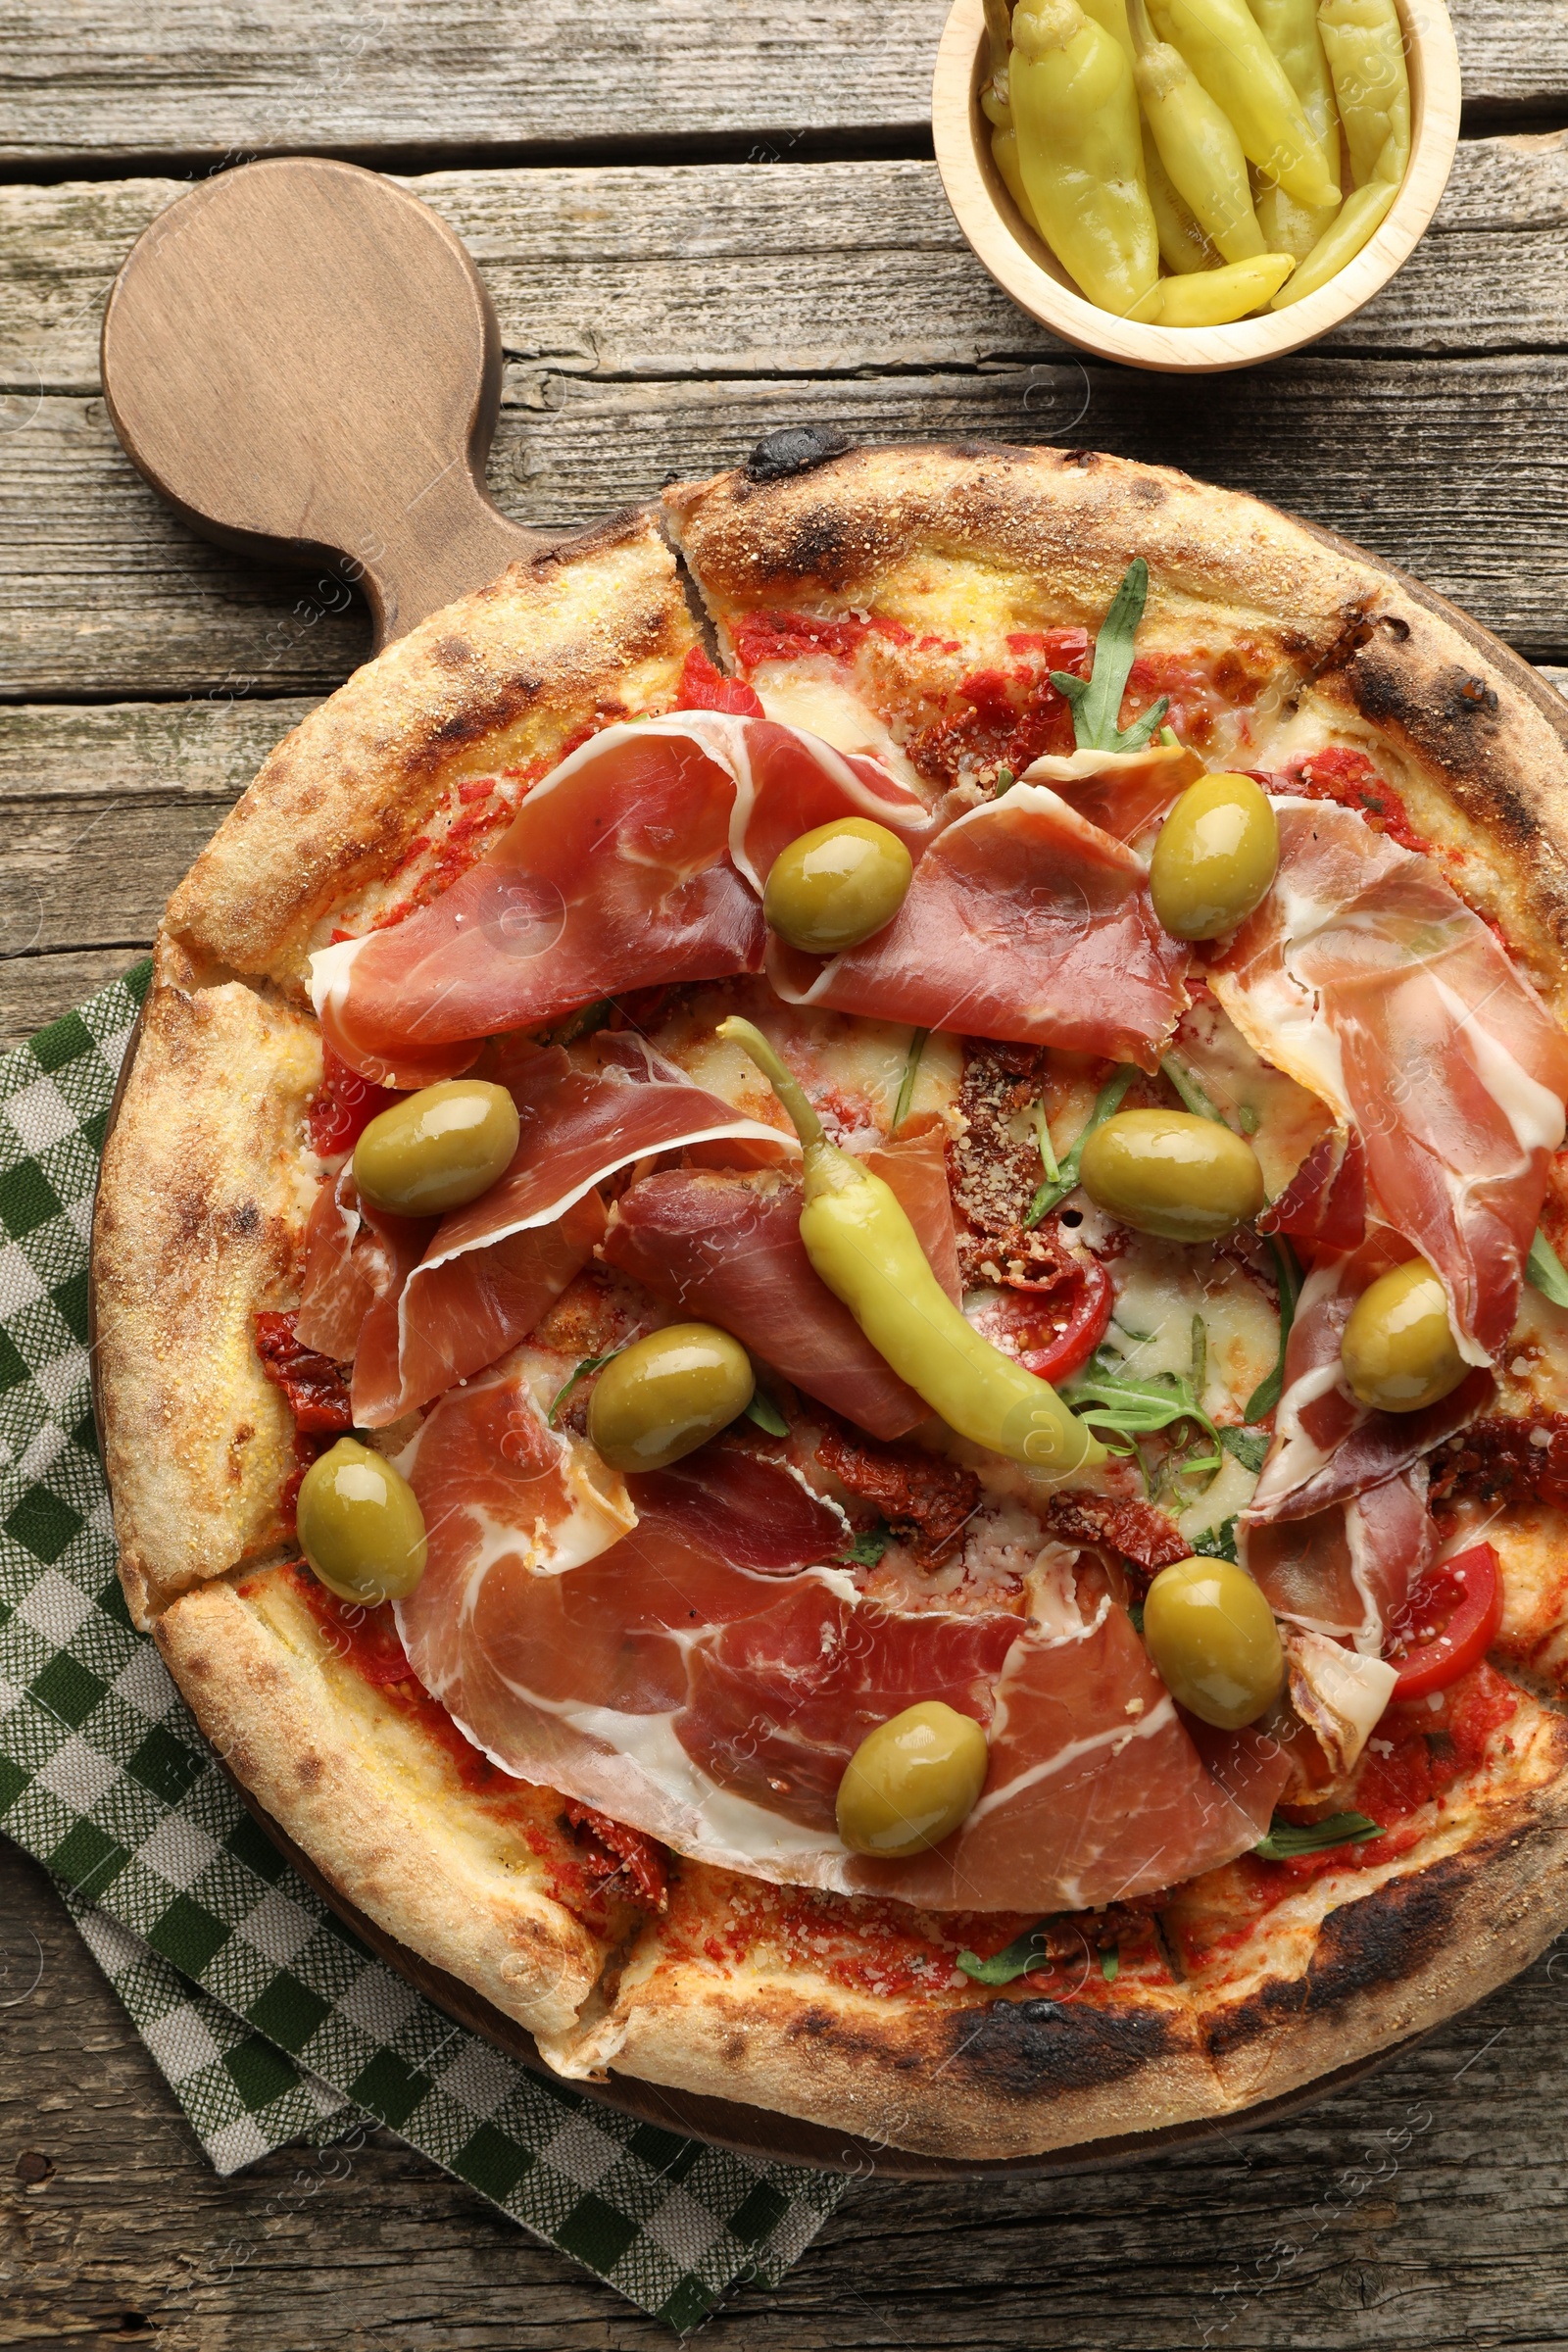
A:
[269,2019]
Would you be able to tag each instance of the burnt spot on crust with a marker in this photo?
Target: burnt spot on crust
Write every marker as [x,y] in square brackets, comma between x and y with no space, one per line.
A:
[1019,2049]
[1471,695]
[1356,631]
[452,652]
[1386,1938]
[794,449]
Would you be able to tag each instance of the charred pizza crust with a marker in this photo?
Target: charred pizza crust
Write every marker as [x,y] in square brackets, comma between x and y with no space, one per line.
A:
[208,1180]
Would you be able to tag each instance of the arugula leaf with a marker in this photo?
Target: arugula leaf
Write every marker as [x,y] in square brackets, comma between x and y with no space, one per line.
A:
[1020,1958]
[1110,1963]
[765,1413]
[1266,1396]
[1135,1610]
[1006,780]
[1248,1445]
[1190,1091]
[590,1363]
[1544,1271]
[1106,1104]
[1216,1542]
[1288,1838]
[867,1549]
[1118,1406]
[911,1071]
[1097,699]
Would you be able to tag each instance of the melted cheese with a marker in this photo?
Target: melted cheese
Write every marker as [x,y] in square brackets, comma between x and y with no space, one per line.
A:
[812,694]
[1160,1286]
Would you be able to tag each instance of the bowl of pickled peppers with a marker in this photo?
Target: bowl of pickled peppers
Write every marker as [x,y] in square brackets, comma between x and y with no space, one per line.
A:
[1194,183]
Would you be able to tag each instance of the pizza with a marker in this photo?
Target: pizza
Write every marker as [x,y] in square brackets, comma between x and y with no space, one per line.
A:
[1112,1336]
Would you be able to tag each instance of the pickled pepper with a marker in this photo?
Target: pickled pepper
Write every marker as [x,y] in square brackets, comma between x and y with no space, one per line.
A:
[1080,151]
[1222,43]
[1364,42]
[1291,30]
[1197,144]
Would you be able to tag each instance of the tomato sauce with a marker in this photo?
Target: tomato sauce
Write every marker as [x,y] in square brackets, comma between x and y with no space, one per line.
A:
[342,1106]
[1350,778]
[786,636]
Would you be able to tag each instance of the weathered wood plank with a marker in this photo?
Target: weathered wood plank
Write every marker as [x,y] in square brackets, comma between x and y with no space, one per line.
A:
[1436,467]
[779,270]
[186,77]
[1421,2209]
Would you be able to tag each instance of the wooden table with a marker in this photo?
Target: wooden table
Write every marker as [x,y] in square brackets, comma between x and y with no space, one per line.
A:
[700,218]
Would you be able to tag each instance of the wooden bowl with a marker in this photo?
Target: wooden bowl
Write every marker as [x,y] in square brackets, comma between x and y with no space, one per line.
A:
[1027,270]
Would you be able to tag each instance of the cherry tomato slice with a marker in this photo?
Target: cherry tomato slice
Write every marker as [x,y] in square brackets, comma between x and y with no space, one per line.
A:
[1052,1328]
[1448,1623]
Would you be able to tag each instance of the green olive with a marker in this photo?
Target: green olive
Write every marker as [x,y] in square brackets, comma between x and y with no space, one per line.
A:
[665,1395]
[1212,1637]
[437,1149]
[1215,856]
[1399,1349]
[1172,1173]
[830,889]
[360,1525]
[911,1781]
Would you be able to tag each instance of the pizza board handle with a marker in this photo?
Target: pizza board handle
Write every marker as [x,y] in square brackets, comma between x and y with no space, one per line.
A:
[302,359]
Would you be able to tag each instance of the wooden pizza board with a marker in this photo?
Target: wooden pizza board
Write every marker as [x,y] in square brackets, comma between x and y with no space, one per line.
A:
[302,360]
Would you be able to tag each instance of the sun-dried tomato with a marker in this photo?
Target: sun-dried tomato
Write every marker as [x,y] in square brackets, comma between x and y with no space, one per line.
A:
[1135,1530]
[613,1850]
[923,1500]
[1499,1459]
[317,1386]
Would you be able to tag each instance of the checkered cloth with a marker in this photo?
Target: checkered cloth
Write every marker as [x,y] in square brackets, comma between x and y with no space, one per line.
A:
[269,2019]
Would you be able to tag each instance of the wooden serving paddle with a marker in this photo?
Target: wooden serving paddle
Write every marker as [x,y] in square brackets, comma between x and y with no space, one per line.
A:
[302,360]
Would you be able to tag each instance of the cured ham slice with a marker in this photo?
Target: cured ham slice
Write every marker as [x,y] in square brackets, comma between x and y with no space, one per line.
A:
[638,861]
[714,1704]
[1325,1201]
[916,1168]
[727,1249]
[1369,980]
[353,1256]
[751,1510]
[1345,1570]
[1327,1444]
[1124,792]
[492,1268]
[1024,922]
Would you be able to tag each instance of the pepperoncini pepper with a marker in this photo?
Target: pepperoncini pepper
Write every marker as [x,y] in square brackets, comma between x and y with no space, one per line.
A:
[1222,43]
[1291,30]
[1287,227]
[1362,212]
[1080,151]
[863,1246]
[1197,144]
[1365,45]
[1219,297]
[1183,246]
[996,105]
